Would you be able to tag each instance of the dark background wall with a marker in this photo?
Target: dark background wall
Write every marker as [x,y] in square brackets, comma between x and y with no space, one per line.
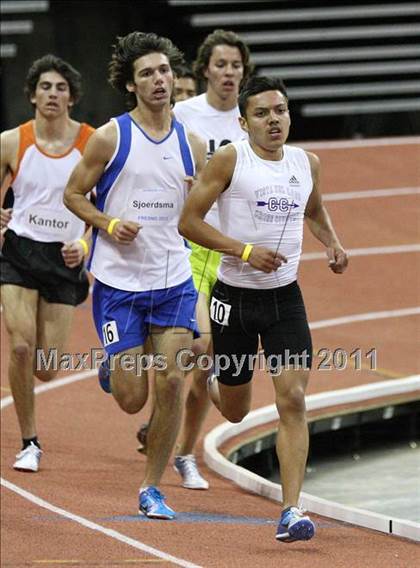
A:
[83,31]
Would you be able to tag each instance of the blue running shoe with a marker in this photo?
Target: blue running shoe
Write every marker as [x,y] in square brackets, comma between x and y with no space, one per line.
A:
[293,525]
[104,376]
[152,504]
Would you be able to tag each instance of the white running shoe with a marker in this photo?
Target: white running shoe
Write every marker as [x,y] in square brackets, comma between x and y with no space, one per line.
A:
[188,470]
[28,459]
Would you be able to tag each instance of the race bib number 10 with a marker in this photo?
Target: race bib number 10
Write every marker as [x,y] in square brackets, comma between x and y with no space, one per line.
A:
[219,311]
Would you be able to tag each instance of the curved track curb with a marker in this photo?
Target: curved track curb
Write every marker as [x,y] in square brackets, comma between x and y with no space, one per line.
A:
[252,482]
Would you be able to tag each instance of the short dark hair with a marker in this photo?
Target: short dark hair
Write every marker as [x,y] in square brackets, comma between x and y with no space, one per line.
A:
[51,62]
[184,72]
[129,48]
[256,85]
[221,37]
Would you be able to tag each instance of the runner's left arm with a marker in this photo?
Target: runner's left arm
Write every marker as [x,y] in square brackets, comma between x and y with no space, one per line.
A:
[75,251]
[319,222]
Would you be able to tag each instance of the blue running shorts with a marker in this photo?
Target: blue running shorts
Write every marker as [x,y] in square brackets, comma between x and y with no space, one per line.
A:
[123,318]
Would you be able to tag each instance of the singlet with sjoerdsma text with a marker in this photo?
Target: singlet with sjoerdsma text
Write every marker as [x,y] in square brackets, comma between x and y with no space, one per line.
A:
[144,182]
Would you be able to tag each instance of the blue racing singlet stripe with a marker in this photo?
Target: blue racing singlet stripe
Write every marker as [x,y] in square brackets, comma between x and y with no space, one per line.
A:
[110,175]
[108,178]
[185,149]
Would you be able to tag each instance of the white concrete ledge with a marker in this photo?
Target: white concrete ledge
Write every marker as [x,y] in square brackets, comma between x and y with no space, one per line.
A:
[256,484]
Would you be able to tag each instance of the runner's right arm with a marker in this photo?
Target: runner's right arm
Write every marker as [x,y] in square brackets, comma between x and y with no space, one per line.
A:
[98,152]
[214,179]
[8,161]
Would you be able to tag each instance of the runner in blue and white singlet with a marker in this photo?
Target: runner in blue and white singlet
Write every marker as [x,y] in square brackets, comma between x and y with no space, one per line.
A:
[144,183]
[144,298]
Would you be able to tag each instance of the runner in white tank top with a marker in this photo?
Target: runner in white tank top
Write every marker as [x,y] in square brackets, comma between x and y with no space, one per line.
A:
[38,188]
[264,189]
[217,127]
[223,64]
[270,197]
[42,272]
[143,289]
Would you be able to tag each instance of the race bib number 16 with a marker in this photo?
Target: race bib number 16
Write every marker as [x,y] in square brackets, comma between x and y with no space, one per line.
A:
[219,311]
[110,333]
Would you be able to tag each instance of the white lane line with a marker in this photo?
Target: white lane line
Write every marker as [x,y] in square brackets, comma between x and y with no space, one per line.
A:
[62,382]
[368,193]
[368,316]
[7,401]
[397,249]
[364,143]
[99,528]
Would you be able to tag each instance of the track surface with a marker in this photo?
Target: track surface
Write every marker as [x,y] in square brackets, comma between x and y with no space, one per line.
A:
[91,470]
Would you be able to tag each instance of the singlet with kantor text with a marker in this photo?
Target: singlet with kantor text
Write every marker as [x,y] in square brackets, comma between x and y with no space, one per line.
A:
[144,183]
[38,186]
[216,127]
[264,205]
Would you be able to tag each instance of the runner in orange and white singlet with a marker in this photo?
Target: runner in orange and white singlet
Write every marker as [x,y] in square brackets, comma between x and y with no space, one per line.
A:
[42,271]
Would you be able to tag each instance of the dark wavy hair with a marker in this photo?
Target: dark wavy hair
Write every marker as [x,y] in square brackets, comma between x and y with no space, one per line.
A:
[256,85]
[51,62]
[129,48]
[184,72]
[221,37]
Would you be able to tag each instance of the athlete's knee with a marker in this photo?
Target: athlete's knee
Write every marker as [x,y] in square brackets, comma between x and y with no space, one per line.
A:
[129,402]
[130,395]
[22,351]
[235,409]
[130,406]
[45,375]
[201,345]
[170,387]
[173,382]
[199,379]
[292,402]
[234,414]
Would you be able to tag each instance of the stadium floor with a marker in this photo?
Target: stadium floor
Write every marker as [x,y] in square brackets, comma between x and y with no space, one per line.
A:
[80,509]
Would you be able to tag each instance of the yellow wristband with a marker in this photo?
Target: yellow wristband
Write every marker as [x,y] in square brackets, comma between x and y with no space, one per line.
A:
[247,252]
[112,224]
[85,246]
